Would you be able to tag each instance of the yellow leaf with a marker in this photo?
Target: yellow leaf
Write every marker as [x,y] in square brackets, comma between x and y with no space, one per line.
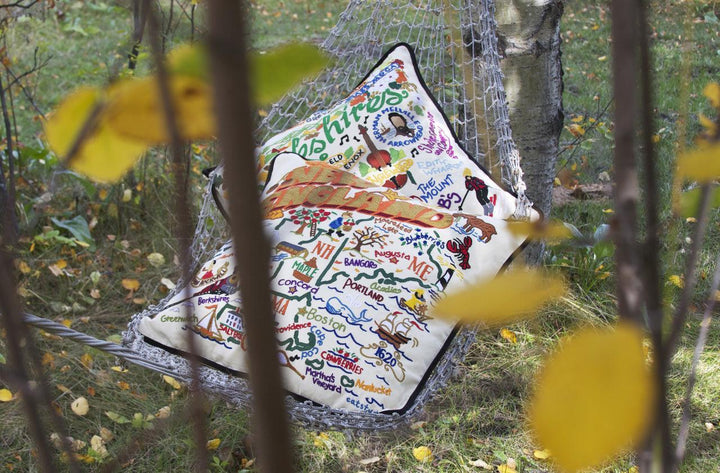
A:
[542,454]
[712,92]
[506,469]
[553,231]
[213,444]
[80,406]
[86,360]
[172,381]
[576,130]
[23,267]
[104,156]
[676,280]
[135,109]
[5,395]
[123,385]
[127,195]
[61,264]
[422,454]
[102,194]
[503,299]
[709,125]
[508,335]
[119,369]
[594,397]
[131,284]
[48,359]
[701,164]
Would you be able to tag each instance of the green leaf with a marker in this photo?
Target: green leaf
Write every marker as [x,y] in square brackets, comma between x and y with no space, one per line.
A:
[276,72]
[117,418]
[78,227]
[690,201]
[2,359]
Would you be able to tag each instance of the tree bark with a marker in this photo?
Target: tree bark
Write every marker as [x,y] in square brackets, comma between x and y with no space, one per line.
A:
[529,42]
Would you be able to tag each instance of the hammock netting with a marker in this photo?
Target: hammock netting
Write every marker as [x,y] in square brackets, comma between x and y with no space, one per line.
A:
[456,47]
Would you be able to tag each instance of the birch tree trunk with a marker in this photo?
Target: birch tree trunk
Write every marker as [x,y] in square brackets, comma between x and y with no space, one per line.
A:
[529,42]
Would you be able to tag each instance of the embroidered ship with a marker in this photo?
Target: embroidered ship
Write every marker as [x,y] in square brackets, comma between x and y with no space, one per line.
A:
[394,329]
[208,327]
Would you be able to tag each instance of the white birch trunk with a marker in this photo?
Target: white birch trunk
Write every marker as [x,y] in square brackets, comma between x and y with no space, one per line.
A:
[529,41]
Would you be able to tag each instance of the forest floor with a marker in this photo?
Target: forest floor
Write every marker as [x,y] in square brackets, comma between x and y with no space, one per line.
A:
[477,423]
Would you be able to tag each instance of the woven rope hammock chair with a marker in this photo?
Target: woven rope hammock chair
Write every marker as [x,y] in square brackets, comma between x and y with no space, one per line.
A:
[455,45]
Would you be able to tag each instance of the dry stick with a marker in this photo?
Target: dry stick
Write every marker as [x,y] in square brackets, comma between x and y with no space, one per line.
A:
[653,292]
[10,217]
[629,284]
[689,276]
[10,310]
[228,63]
[699,347]
[184,230]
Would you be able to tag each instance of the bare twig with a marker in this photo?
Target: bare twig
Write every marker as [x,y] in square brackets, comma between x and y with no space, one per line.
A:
[19,4]
[699,347]
[228,64]
[184,231]
[651,254]
[689,276]
[10,223]
[37,396]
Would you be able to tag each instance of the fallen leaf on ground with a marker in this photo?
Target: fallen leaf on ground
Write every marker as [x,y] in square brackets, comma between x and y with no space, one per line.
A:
[131,284]
[480,464]
[172,381]
[422,453]
[5,395]
[508,335]
[542,454]
[80,406]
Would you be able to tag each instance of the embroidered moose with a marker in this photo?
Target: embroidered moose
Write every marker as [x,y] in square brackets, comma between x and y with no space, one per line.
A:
[461,250]
[487,230]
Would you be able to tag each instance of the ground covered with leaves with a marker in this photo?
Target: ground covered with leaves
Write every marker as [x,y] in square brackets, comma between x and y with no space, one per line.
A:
[89,256]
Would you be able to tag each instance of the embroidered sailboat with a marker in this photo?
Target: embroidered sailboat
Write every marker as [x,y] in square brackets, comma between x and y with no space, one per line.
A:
[394,329]
[207,326]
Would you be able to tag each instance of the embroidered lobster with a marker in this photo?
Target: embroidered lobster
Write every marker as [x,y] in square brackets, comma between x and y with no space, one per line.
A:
[461,249]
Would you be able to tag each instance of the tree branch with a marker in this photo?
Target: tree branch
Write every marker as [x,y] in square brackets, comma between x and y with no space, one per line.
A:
[182,209]
[624,225]
[228,63]
[699,346]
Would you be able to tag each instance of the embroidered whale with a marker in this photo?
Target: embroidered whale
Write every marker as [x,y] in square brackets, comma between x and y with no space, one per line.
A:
[336,307]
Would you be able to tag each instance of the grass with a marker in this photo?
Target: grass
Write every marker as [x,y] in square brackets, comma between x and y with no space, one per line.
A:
[480,415]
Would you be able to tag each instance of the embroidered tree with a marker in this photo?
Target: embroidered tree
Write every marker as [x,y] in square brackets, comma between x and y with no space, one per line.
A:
[367,237]
[303,217]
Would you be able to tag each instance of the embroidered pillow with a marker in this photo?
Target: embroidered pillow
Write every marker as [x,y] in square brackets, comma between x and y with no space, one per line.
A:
[355,270]
[391,131]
